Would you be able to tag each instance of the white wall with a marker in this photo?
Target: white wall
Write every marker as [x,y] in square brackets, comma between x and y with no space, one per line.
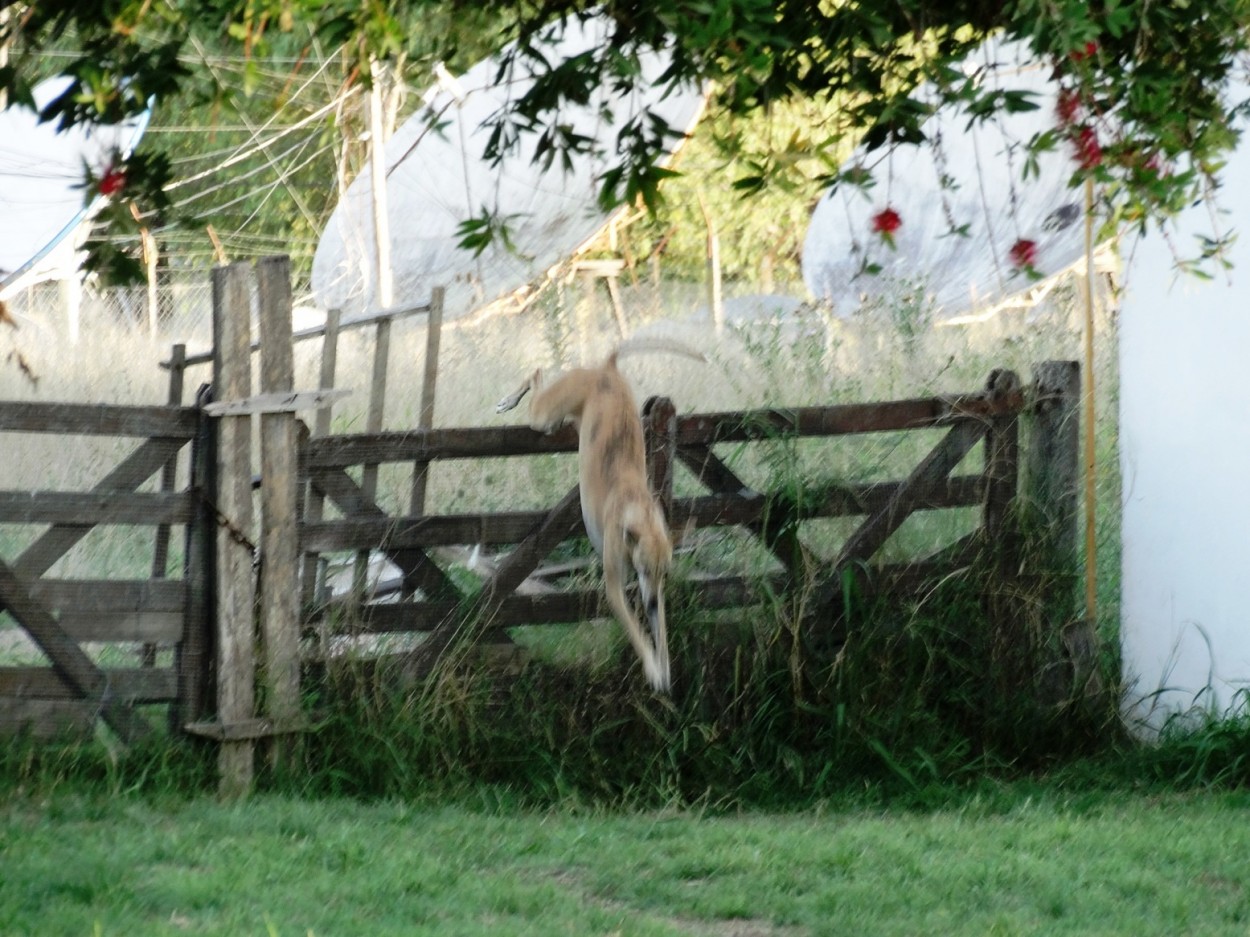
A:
[1185,457]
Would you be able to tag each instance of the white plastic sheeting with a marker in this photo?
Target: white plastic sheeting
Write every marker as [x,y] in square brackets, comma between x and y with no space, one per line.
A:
[41,203]
[437,179]
[1185,464]
[983,165]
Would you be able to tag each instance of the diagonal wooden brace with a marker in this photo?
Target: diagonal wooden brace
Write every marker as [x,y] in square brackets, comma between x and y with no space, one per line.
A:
[558,525]
[134,470]
[781,539]
[876,529]
[76,670]
[418,569]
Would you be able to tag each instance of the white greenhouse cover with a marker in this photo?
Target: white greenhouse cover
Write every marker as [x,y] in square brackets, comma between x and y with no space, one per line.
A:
[39,171]
[437,179]
[984,164]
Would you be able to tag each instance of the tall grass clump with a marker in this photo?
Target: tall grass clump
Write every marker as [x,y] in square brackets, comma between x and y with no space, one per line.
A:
[773,705]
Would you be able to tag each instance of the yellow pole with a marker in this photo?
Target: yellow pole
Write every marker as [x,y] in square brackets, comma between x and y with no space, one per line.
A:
[1091,567]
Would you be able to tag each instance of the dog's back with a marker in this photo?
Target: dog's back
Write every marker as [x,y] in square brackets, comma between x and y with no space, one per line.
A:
[610,446]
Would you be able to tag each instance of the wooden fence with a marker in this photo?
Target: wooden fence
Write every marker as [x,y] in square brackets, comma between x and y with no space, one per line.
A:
[61,615]
[260,591]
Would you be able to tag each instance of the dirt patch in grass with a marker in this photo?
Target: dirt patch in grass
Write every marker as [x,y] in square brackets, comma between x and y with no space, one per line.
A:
[698,927]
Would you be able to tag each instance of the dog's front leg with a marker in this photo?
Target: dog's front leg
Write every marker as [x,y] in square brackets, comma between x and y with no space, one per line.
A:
[533,382]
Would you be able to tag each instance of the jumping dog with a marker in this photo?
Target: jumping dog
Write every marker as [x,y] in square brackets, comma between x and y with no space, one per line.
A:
[623,520]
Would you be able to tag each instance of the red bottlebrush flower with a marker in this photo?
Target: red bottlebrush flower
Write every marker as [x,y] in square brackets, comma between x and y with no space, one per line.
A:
[112,182]
[1087,51]
[1088,149]
[1068,106]
[886,222]
[1023,254]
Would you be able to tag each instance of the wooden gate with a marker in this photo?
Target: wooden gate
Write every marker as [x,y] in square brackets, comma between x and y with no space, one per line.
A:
[110,644]
[429,599]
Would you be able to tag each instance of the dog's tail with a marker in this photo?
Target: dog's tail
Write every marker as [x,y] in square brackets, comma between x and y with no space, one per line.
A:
[648,344]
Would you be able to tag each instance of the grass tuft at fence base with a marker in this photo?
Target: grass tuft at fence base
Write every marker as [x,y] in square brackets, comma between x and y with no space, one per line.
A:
[764,712]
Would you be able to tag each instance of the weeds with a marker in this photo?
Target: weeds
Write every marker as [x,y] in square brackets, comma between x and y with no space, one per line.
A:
[773,705]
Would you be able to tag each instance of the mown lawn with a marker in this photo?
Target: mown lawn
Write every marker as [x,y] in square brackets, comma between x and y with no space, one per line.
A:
[1033,861]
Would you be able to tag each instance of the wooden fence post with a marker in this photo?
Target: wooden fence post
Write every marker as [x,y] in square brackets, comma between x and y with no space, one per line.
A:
[1011,657]
[660,425]
[321,427]
[1053,478]
[193,651]
[1002,457]
[279,578]
[232,366]
[1054,451]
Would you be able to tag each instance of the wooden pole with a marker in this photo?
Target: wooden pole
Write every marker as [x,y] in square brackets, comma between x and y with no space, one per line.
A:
[377,176]
[715,304]
[660,423]
[429,383]
[373,424]
[279,576]
[232,366]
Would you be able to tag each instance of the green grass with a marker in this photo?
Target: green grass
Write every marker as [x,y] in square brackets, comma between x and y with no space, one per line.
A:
[1022,860]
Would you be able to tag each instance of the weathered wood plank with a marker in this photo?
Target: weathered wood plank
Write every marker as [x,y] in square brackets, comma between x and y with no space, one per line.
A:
[429,386]
[285,401]
[131,684]
[94,507]
[550,608]
[110,595]
[1053,452]
[660,425]
[939,463]
[374,418]
[169,480]
[506,527]
[142,626]
[71,664]
[341,451]
[236,650]
[279,575]
[511,573]
[91,419]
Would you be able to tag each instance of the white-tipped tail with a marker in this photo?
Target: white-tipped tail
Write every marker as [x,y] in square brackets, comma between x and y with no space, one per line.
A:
[650,344]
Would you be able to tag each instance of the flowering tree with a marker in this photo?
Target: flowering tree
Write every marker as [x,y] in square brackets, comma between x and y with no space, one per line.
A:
[1143,108]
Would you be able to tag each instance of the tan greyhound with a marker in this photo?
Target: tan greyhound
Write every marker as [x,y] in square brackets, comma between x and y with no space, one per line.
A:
[623,520]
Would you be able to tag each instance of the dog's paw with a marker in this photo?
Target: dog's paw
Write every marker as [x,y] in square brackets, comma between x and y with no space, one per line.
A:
[508,403]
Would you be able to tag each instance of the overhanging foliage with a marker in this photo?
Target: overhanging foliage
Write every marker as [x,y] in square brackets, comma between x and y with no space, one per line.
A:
[1145,80]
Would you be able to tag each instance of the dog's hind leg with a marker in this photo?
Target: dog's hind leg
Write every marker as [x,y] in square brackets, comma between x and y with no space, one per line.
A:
[654,665]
